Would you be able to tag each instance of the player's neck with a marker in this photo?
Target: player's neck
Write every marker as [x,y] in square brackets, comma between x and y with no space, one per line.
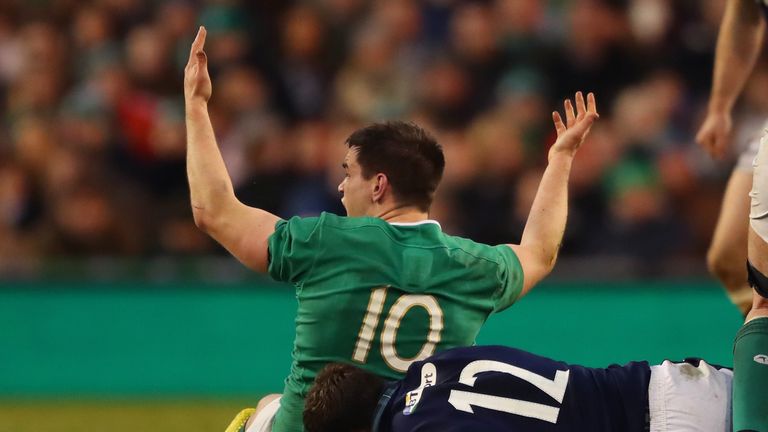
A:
[402,214]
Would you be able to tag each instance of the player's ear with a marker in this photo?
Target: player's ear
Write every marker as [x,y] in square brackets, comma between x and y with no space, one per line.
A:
[380,186]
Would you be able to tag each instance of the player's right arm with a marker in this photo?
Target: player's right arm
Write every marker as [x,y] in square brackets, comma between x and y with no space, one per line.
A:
[244,231]
[738,46]
[544,229]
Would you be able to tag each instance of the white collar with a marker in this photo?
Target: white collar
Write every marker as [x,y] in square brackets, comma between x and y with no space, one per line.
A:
[425,221]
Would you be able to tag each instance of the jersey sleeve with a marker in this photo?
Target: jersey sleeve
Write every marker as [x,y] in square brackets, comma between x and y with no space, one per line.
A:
[293,248]
[510,274]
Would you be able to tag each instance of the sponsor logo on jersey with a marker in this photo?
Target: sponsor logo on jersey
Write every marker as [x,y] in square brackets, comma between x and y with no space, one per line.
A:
[428,379]
[761,358]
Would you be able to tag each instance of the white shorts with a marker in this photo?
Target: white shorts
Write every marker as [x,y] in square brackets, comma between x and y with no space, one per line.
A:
[686,398]
[263,420]
[748,143]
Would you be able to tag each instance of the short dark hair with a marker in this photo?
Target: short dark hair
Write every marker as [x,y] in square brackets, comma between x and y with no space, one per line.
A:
[343,399]
[410,157]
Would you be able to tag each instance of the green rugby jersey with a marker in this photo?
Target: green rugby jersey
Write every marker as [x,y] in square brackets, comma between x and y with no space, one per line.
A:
[382,295]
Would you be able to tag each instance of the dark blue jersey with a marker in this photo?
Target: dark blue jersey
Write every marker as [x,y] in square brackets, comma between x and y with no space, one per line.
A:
[501,389]
[764,7]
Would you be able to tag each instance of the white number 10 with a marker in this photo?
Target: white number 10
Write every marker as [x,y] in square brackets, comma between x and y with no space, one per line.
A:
[391,325]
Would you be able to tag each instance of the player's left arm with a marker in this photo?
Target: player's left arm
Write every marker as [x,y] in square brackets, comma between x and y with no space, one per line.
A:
[244,231]
[545,227]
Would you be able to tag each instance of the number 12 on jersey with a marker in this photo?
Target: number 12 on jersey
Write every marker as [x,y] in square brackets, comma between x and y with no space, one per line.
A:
[399,309]
[554,388]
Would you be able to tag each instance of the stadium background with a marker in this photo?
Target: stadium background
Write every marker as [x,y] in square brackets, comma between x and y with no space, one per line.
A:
[116,312]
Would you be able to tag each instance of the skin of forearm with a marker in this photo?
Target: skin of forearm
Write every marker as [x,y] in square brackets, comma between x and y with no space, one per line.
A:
[738,46]
[549,212]
[209,183]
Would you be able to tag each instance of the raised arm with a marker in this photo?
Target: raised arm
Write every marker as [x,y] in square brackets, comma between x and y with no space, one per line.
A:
[244,231]
[738,46]
[544,229]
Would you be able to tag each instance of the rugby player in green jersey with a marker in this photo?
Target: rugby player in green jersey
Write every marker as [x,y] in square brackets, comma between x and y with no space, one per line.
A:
[383,287]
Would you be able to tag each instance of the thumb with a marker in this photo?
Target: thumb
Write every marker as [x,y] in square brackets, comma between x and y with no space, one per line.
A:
[202,58]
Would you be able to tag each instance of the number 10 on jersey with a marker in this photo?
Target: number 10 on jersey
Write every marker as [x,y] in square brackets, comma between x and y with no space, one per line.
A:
[399,309]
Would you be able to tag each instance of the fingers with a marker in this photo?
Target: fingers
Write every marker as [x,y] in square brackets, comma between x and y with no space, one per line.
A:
[200,41]
[589,119]
[559,126]
[711,149]
[570,117]
[706,141]
[718,147]
[583,111]
[706,138]
[585,124]
[196,52]
[592,104]
[712,142]
[701,138]
[581,108]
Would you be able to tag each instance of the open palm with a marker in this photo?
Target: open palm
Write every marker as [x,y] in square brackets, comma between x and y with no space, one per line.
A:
[572,133]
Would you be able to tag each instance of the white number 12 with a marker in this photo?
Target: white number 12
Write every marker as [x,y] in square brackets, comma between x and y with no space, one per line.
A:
[463,401]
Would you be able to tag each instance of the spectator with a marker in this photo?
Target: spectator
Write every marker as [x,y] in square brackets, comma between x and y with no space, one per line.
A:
[91,118]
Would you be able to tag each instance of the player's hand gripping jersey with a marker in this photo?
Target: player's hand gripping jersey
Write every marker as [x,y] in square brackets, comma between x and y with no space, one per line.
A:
[382,295]
[501,389]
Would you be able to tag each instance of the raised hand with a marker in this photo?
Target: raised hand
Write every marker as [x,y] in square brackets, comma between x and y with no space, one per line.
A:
[572,133]
[197,81]
[714,133]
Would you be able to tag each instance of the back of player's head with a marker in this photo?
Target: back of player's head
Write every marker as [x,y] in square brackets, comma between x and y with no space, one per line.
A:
[409,156]
[343,399]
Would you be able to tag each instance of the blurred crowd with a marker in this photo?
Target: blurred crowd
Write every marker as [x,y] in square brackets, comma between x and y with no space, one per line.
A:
[92,139]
